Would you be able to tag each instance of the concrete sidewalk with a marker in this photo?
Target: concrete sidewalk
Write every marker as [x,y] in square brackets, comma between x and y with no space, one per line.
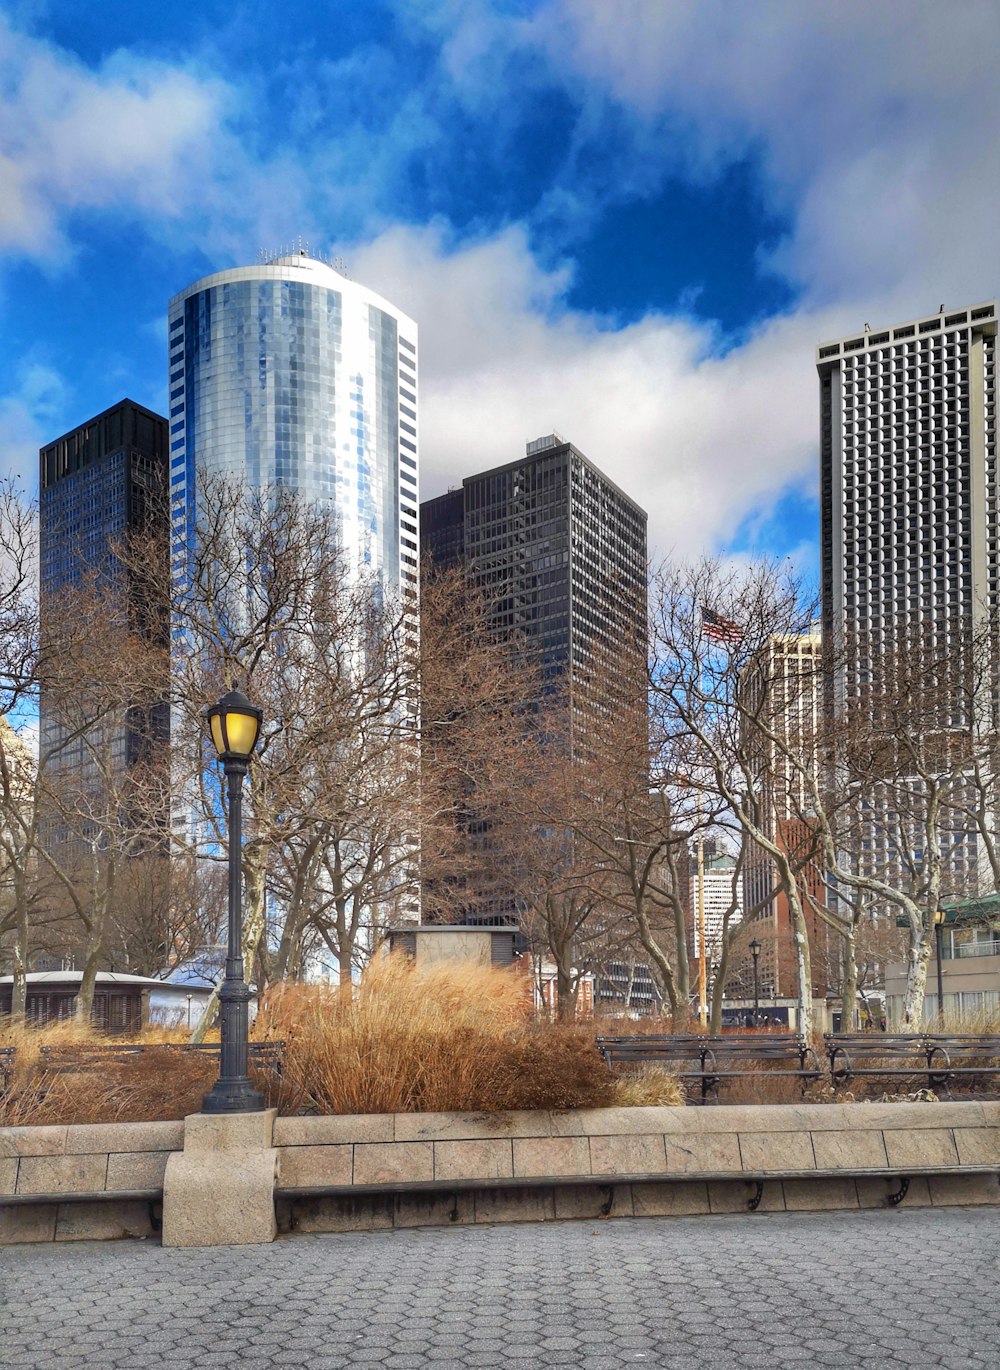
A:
[860,1290]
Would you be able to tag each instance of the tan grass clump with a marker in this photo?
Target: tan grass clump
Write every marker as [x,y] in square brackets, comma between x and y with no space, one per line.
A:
[652,1087]
[438,1038]
[26,1039]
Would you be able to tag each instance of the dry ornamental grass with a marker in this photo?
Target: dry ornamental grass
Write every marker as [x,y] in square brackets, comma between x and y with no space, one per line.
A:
[446,1038]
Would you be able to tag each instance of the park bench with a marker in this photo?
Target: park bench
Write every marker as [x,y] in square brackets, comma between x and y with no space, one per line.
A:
[66,1060]
[712,1060]
[936,1059]
[6,1068]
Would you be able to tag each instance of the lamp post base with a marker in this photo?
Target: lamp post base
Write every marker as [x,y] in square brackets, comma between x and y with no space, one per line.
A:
[233,1096]
[233,1091]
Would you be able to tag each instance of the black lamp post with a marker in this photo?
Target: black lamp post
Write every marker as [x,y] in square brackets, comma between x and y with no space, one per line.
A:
[755,953]
[938,927]
[235,727]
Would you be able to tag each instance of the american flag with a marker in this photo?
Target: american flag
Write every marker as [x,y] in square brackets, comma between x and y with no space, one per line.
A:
[719,629]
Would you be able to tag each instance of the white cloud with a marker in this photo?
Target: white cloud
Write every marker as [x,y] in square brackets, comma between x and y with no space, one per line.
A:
[697,439]
[873,124]
[872,127]
[130,135]
[30,415]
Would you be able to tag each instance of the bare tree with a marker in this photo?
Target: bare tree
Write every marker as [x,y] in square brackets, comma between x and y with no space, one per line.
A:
[68,826]
[910,754]
[720,687]
[102,770]
[18,737]
[263,599]
[480,691]
[167,911]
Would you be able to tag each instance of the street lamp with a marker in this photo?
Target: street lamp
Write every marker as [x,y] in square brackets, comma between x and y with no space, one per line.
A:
[755,953]
[234,724]
[189,998]
[938,926]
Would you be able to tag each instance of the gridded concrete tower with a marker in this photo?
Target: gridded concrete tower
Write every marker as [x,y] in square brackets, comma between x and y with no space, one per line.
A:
[908,475]
[909,504]
[560,551]
[289,373]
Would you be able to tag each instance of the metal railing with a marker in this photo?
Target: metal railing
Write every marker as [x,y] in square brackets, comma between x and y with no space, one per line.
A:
[963,949]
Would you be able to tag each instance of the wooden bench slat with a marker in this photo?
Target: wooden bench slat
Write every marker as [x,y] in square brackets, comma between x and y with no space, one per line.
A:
[718,1057]
[66,1060]
[932,1056]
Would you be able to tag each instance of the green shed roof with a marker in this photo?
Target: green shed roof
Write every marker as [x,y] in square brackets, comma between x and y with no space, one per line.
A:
[981,908]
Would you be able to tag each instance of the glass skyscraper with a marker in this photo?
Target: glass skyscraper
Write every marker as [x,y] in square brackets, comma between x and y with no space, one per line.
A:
[290,374]
[97,484]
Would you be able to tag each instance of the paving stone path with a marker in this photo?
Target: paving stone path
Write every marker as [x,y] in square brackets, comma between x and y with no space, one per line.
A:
[859,1290]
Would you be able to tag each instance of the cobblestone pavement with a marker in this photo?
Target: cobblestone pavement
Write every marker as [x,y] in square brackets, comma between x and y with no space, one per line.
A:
[859,1290]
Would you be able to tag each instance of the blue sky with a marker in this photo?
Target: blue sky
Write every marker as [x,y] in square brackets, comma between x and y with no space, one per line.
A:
[629,222]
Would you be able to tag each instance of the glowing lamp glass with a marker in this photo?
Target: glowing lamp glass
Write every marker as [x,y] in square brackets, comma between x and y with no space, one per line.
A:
[235,726]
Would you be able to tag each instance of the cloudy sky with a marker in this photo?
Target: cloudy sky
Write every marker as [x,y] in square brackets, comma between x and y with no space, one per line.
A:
[627,220]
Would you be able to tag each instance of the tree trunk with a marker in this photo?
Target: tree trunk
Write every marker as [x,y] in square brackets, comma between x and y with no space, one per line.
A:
[254,909]
[565,992]
[208,1016]
[918,955]
[19,987]
[674,986]
[719,989]
[253,928]
[803,965]
[88,981]
[345,959]
[849,982]
[715,1010]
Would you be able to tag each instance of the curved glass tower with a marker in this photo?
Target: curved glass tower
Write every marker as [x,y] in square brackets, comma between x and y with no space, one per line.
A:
[289,373]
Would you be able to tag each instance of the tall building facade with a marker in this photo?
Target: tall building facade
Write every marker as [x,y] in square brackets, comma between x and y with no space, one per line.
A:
[788,675]
[718,898]
[97,483]
[290,374]
[908,477]
[559,552]
[909,511]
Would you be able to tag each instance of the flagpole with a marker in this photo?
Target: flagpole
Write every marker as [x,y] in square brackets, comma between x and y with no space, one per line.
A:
[724,631]
[702,979]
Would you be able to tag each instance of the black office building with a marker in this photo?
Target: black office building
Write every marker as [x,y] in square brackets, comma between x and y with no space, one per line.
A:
[96,484]
[559,552]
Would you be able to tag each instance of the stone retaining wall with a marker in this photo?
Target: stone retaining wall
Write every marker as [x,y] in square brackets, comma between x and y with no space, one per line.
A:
[607,1150]
[106,1158]
[410,1169]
